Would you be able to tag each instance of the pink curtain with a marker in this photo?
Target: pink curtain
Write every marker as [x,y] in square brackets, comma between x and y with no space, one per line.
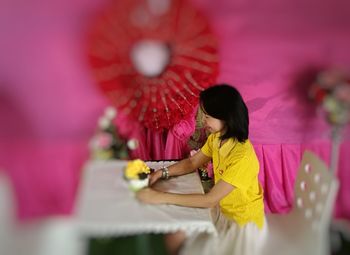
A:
[279,165]
[158,145]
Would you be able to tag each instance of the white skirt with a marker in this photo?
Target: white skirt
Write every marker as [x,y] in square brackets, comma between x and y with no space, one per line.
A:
[231,239]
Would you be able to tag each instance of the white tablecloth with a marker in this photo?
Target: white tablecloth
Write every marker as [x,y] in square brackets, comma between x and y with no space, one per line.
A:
[107,207]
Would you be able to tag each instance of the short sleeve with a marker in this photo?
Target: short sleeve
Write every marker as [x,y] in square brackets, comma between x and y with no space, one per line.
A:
[241,173]
[207,148]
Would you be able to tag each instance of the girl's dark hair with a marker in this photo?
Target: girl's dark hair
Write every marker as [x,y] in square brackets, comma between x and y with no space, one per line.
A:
[224,102]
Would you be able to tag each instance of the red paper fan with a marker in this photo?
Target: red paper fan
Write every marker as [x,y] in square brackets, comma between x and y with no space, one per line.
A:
[182,54]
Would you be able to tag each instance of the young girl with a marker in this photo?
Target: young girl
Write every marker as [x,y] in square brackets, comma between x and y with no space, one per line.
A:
[239,216]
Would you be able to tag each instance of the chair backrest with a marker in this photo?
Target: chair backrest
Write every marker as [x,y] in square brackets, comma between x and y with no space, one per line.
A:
[315,191]
[7,205]
[7,212]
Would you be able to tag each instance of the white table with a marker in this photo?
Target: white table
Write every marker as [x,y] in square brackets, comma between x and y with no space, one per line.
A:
[106,206]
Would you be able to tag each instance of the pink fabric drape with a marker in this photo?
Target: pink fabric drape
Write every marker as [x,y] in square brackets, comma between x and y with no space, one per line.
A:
[41,172]
[279,165]
[158,145]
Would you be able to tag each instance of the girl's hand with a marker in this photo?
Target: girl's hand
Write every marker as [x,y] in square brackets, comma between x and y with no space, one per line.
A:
[149,196]
[154,177]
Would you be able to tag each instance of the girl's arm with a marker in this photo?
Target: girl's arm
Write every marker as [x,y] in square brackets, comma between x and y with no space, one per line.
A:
[182,167]
[208,200]
[188,165]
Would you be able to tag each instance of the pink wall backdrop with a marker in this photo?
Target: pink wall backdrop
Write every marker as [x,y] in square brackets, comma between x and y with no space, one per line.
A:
[49,103]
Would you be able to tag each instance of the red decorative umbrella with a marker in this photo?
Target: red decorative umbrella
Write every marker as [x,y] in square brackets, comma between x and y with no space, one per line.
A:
[152,58]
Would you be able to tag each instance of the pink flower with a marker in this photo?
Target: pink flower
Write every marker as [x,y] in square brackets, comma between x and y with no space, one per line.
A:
[104,140]
[330,78]
[210,170]
[342,92]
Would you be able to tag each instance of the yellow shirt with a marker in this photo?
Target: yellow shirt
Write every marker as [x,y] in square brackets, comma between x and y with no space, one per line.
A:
[236,163]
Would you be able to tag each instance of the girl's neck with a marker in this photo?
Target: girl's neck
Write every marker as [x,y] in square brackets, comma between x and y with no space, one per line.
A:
[222,142]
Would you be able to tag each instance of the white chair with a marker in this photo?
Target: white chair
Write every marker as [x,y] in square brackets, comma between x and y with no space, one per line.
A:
[7,210]
[305,230]
[52,236]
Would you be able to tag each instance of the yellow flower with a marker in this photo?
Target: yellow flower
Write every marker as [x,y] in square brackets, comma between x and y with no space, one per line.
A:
[136,167]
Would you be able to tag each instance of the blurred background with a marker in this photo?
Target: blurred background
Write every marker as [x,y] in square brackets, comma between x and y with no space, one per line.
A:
[51,98]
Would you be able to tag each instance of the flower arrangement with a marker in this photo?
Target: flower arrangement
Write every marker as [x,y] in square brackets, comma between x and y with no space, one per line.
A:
[196,141]
[206,171]
[106,143]
[137,174]
[331,91]
[136,169]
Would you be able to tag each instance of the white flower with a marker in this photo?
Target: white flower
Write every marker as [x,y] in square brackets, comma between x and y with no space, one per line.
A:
[103,123]
[132,144]
[330,104]
[110,112]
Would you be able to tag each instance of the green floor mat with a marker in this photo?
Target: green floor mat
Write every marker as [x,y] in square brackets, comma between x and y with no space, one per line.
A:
[146,244]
